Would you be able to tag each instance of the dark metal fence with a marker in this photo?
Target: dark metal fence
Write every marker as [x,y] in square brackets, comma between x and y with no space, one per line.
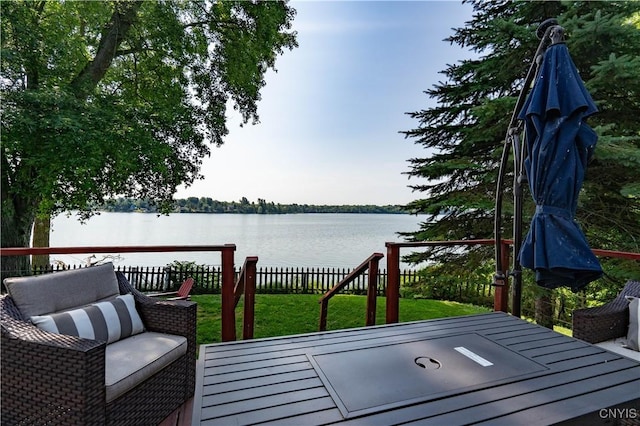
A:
[207,279]
[289,280]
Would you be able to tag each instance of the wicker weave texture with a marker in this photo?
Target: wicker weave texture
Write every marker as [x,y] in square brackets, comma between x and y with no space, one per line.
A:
[55,379]
[605,322]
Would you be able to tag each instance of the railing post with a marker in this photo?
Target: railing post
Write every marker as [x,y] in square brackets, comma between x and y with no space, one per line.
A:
[228,298]
[501,291]
[372,291]
[249,297]
[393,283]
[324,308]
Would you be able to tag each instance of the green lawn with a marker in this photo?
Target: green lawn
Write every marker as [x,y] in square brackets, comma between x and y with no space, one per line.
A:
[281,315]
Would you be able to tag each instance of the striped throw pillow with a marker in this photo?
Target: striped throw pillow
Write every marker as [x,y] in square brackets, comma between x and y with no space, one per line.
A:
[106,321]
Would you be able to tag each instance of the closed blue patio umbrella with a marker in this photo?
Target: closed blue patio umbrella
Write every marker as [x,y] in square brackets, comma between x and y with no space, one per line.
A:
[558,145]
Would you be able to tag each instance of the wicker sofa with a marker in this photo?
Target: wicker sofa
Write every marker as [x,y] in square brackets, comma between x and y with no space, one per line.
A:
[57,379]
[606,322]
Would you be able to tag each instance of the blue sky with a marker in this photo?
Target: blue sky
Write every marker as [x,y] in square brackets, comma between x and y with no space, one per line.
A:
[330,117]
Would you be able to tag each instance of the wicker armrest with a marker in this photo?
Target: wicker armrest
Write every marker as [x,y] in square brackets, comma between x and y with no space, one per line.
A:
[605,322]
[173,317]
[59,377]
[599,324]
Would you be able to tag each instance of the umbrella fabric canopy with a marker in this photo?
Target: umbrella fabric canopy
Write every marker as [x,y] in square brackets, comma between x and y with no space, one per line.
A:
[559,145]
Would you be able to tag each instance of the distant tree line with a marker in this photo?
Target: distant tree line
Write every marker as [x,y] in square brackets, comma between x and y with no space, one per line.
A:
[244,206]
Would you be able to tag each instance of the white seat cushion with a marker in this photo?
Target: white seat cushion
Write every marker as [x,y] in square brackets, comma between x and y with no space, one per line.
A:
[619,346]
[132,360]
[633,335]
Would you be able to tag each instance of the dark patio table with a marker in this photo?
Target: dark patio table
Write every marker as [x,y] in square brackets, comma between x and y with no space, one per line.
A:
[491,369]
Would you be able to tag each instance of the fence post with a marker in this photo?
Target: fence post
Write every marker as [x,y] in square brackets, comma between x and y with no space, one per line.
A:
[393,283]
[228,308]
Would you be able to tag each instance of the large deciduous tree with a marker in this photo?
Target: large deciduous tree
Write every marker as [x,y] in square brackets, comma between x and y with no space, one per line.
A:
[123,97]
[464,134]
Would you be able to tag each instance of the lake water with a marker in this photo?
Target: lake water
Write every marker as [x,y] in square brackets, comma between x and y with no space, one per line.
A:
[295,240]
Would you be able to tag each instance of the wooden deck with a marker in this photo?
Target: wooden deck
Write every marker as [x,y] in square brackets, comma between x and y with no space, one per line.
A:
[181,416]
[480,369]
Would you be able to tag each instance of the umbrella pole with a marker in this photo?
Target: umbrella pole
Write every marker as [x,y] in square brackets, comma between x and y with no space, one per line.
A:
[512,139]
[520,179]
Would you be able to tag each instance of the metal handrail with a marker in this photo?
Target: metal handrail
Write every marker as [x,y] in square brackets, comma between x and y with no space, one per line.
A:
[370,264]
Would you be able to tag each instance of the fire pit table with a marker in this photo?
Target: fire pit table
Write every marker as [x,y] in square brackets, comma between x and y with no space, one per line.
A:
[478,369]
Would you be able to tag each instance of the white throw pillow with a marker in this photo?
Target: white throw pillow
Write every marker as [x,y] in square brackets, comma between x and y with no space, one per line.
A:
[106,321]
[633,335]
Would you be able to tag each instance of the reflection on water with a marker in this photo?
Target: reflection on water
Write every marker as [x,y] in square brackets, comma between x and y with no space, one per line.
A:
[298,240]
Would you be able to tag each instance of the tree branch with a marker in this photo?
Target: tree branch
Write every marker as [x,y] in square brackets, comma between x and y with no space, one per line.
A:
[115,32]
[7,177]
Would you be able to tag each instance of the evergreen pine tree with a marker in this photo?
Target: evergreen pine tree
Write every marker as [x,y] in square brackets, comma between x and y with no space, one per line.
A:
[464,134]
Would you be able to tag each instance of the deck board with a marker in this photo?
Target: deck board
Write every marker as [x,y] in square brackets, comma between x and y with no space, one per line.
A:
[277,381]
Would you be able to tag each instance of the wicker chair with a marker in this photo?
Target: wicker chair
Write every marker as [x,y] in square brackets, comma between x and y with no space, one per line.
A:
[55,379]
[608,321]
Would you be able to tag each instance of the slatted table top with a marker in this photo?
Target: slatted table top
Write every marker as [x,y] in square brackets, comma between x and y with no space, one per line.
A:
[490,369]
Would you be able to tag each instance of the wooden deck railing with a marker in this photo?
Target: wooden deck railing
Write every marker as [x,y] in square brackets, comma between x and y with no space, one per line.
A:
[501,286]
[231,291]
[246,284]
[226,251]
[393,271]
[370,264]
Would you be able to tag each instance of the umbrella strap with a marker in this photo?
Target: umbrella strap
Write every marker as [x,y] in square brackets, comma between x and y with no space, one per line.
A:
[556,211]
